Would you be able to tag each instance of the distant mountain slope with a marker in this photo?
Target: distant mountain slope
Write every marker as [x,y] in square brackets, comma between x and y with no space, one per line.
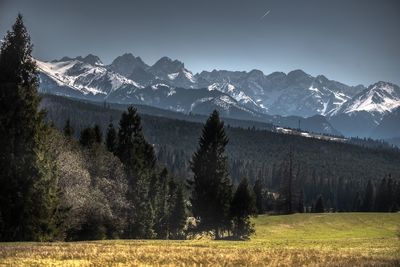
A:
[296,93]
[365,111]
[273,98]
[389,127]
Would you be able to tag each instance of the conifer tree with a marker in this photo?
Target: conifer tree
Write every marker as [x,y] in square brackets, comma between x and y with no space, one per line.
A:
[319,205]
[177,216]
[28,183]
[139,160]
[111,138]
[211,185]
[68,130]
[242,207]
[161,203]
[87,137]
[357,202]
[287,194]
[368,201]
[98,136]
[259,197]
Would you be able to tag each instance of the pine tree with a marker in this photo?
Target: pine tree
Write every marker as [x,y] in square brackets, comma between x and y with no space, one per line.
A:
[319,205]
[111,138]
[368,201]
[211,186]
[87,137]
[139,160]
[257,188]
[242,207]
[68,130]
[357,202]
[382,196]
[98,136]
[161,206]
[287,194]
[28,182]
[177,216]
[300,203]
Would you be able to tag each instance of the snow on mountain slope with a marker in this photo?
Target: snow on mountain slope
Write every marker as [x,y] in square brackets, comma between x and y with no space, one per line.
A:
[87,78]
[379,98]
[362,113]
[295,93]
[353,110]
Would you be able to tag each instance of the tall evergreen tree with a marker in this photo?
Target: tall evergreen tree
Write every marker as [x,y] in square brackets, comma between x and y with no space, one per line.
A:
[287,194]
[368,201]
[139,159]
[242,207]
[28,183]
[68,130]
[319,205]
[212,190]
[357,202]
[111,138]
[87,137]
[257,188]
[177,216]
[98,136]
[161,205]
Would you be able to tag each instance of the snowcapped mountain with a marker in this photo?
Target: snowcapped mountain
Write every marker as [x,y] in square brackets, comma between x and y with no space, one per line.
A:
[365,111]
[88,78]
[295,93]
[278,97]
[173,72]
[378,99]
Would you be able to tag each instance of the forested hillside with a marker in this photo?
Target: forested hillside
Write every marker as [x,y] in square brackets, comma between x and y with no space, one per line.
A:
[336,170]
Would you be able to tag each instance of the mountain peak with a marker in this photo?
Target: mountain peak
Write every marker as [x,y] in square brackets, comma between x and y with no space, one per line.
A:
[297,72]
[168,62]
[92,60]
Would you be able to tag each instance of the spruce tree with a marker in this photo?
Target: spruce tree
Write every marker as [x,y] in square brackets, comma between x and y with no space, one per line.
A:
[111,138]
[242,207]
[68,130]
[177,216]
[28,183]
[357,202]
[257,188]
[139,160]
[161,206]
[211,185]
[319,205]
[98,136]
[368,201]
[87,137]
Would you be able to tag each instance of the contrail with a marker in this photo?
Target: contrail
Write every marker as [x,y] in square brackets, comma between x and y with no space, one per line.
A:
[266,13]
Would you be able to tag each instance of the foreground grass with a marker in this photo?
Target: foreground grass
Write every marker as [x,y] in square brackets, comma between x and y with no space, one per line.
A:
[341,239]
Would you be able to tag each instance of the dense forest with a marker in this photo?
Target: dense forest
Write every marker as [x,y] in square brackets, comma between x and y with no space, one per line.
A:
[76,171]
[336,170]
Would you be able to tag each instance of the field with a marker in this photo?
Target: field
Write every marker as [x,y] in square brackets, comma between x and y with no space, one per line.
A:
[341,239]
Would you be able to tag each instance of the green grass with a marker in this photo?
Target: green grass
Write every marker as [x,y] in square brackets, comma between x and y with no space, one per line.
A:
[339,239]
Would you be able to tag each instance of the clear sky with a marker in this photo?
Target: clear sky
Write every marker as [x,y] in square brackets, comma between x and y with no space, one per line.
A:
[352,41]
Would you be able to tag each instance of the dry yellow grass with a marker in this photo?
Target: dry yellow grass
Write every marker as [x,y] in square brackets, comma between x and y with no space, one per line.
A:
[294,240]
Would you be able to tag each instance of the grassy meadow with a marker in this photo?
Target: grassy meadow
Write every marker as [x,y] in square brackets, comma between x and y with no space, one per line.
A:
[337,239]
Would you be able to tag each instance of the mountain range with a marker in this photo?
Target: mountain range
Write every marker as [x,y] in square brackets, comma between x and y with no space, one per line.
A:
[295,99]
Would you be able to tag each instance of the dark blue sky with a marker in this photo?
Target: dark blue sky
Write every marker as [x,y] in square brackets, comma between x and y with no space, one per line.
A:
[355,41]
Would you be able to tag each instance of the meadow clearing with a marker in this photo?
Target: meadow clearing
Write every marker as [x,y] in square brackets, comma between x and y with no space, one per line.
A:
[328,239]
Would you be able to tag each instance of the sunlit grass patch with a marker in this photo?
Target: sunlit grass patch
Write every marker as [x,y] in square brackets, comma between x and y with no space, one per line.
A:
[341,239]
